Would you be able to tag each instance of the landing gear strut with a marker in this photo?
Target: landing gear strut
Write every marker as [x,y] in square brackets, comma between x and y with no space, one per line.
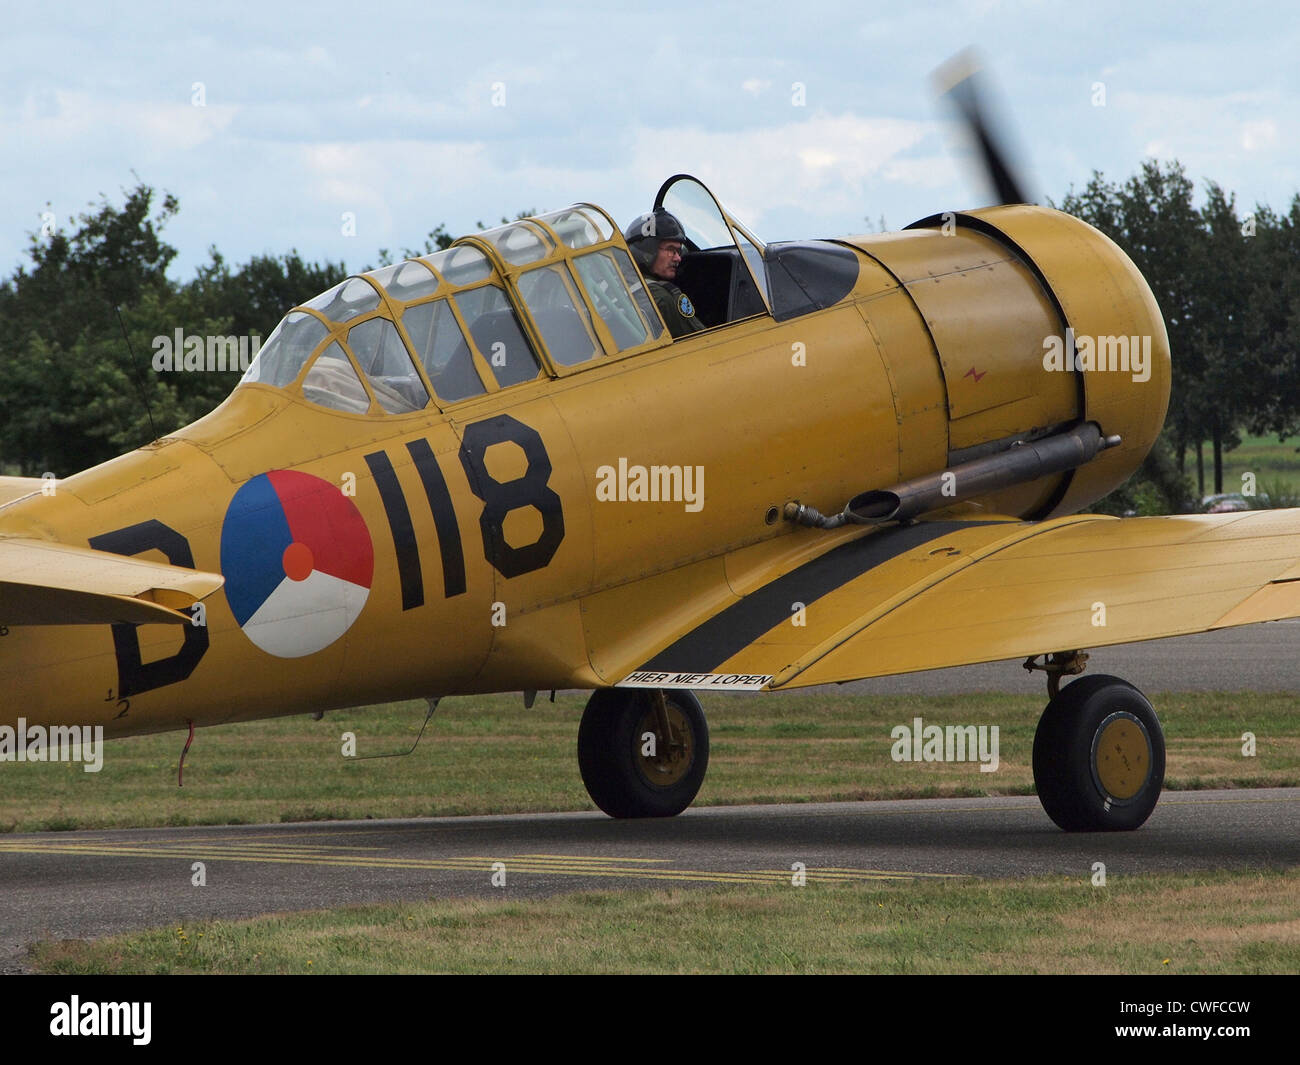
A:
[643,752]
[1099,752]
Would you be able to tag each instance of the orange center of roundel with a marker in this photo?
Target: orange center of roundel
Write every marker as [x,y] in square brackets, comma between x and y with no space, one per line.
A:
[298,562]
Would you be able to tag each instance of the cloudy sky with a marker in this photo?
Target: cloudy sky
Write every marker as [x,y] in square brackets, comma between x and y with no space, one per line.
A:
[271,121]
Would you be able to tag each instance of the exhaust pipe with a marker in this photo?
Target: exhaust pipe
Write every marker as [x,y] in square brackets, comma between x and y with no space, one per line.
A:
[1020,463]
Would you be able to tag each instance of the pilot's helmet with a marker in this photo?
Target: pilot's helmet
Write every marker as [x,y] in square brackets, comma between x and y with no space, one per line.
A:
[645,232]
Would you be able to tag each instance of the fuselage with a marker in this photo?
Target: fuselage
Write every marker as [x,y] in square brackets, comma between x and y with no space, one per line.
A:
[371,555]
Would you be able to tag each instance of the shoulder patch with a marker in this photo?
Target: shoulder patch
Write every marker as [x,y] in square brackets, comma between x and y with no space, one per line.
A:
[685,306]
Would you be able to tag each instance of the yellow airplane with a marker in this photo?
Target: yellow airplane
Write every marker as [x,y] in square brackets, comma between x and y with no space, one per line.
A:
[495,469]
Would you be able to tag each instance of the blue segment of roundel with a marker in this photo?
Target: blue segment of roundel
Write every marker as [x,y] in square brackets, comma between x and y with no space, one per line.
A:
[253,540]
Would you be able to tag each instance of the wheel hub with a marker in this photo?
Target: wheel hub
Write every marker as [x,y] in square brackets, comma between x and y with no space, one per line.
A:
[672,752]
[1121,757]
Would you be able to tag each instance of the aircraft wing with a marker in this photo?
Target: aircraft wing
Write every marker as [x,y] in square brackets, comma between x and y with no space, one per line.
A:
[789,613]
[47,583]
[12,488]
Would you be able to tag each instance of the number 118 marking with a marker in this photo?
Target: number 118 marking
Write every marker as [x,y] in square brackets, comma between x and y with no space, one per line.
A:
[531,489]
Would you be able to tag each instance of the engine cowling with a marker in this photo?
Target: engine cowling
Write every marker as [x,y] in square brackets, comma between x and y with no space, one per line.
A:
[1036,323]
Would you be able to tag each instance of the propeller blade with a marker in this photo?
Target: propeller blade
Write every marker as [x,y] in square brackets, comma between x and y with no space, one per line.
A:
[962,82]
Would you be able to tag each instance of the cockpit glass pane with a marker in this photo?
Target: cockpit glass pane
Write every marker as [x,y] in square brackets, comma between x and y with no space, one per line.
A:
[407,281]
[442,349]
[462,264]
[745,234]
[560,318]
[520,243]
[609,295]
[287,349]
[707,227]
[633,278]
[384,360]
[694,206]
[495,329]
[332,382]
[754,257]
[345,301]
[578,228]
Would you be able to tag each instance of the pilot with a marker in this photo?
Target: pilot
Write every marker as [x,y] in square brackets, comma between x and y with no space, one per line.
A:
[656,242]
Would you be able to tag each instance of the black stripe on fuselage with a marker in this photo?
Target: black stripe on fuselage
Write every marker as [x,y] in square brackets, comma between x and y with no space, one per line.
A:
[707,646]
[399,520]
[444,517]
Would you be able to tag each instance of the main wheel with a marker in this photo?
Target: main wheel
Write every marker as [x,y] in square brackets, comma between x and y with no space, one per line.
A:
[639,758]
[1099,756]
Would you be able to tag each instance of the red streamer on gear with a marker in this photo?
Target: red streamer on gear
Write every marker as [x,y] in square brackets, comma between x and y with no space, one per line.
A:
[180,769]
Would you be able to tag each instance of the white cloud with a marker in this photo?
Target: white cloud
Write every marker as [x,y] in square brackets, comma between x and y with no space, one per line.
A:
[823,161]
[1261,133]
[81,118]
[313,112]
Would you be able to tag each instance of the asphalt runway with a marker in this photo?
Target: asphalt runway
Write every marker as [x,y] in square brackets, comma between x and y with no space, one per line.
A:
[75,885]
[1262,658]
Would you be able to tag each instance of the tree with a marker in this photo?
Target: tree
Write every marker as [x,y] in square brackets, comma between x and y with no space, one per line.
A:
[73,391]
[1226,287]
[1157,487]
[84,320]
[1271,323]
[1152,218]
[1231,370]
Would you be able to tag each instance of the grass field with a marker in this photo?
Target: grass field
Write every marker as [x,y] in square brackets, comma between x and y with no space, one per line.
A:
[490,755]
[1207,923]
[1275,465]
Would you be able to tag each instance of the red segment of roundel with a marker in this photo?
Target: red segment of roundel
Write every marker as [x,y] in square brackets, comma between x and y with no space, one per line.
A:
[323,519]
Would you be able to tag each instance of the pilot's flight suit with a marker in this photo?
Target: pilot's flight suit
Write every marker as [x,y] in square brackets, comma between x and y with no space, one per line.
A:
[675,306]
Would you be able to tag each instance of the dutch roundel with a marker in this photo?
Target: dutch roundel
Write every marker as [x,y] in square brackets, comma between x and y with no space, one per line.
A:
[298,562]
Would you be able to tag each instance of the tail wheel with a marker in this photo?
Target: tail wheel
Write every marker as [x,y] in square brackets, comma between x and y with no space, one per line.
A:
[643,753]
[1099,756]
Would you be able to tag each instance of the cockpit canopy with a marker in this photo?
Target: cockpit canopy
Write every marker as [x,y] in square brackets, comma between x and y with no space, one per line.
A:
[731,275]
[546,295]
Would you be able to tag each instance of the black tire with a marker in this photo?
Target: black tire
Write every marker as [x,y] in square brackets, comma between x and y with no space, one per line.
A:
[1086,785]
[620,779]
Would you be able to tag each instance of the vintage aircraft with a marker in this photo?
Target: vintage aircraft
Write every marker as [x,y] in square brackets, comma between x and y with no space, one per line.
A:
[493,469]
